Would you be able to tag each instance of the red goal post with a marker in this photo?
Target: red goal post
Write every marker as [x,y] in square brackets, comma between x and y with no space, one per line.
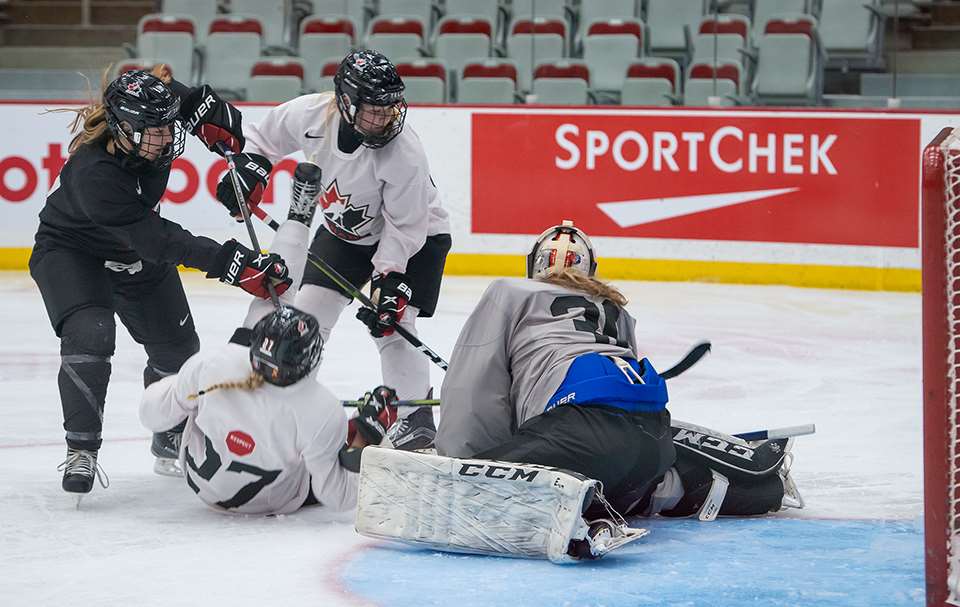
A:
[940,226]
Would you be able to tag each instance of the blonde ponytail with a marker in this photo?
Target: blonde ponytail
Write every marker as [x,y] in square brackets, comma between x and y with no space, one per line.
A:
[252,382]
[90,123]
[577,281]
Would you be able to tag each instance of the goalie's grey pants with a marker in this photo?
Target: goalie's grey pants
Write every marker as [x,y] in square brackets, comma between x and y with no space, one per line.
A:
[627,452]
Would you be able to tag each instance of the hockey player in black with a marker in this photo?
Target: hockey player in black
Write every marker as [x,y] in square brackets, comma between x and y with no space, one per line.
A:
[102,249]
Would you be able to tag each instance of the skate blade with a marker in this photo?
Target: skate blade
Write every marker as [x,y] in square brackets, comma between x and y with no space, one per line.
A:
[165,466]
[624,537]
[76,505]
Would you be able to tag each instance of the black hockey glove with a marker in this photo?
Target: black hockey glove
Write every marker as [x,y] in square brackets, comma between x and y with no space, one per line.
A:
[253,171]
[212,120]
[245,268]
[377,411]
[390,293]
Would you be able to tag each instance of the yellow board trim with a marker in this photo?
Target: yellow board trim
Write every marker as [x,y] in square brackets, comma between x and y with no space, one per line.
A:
[797,275]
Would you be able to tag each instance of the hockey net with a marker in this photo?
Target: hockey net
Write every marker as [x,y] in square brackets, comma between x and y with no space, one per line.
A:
[941,366]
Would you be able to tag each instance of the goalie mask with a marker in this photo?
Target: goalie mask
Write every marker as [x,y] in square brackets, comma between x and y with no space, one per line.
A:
[143,116]
[285,346]
[560,247]
[370,97]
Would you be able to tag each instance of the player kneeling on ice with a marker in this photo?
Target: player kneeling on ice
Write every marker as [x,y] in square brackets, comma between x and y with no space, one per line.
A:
[547,372]
[262,436]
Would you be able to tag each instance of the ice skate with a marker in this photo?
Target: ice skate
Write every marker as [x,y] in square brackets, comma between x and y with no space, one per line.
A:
[791,495]
[413,432]
[166,448]
[79,469]
[306,187]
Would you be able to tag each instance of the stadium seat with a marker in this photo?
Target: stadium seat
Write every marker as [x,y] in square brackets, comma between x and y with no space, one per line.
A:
[789,62]
[169,39]
[425,81]
[137,63]
[486,9]
[705,80]
[561,83]
[422,10]
[534,41]
[672,24]
[233,46]
[396,37]
[276,79]
[489,81]
[460,40]
[324,84]
[273,18]
[852,33]
[540,9]
[324,39]
[730,34]
[357,10]
[201,11]
[609,47]
[652,81]
[764,10]
[604,10]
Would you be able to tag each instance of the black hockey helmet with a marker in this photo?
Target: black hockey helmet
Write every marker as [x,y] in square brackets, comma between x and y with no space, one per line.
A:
[135,102]
[367,78]
[285,346]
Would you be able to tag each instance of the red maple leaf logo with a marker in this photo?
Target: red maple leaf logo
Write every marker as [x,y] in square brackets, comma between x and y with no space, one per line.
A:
[343,219]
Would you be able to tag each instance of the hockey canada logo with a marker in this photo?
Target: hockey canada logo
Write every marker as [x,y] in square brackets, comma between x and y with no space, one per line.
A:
[343,219]
[240,443]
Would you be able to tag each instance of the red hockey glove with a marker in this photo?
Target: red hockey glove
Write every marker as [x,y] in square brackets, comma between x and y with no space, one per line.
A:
[390,293]
[377,411]
[212,120]
[253,171]
[242,267]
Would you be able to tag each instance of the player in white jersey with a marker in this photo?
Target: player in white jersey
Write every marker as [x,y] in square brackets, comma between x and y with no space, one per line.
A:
[262,436]
[547,371]
[382,219]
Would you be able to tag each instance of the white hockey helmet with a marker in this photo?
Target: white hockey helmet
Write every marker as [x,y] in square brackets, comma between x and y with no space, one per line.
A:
[562,246]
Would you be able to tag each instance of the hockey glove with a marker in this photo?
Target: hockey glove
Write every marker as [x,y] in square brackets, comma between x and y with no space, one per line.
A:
[377,411]
[242,267]
[390,293]
[253,171]
[212,120]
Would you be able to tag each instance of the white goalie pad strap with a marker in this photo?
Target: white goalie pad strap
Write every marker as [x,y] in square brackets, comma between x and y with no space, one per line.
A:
[472,506]
[718,490]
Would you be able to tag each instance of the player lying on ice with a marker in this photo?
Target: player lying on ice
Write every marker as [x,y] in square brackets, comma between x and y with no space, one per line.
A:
[262,436]
[546,372]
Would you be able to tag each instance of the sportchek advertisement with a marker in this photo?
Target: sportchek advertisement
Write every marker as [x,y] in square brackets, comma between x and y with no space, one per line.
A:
[849,181]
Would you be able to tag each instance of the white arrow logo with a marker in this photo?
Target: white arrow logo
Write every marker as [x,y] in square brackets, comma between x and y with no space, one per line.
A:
[629,213]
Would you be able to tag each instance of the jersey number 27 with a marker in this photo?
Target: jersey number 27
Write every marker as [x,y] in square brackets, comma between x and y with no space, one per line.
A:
[212,464]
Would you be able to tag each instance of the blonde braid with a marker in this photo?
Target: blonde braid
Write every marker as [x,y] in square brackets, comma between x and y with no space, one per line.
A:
[252,382]
[577,281]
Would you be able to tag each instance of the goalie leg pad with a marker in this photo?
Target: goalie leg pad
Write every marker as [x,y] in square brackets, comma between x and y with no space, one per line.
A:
[476,506]
[731,456]
[741,496]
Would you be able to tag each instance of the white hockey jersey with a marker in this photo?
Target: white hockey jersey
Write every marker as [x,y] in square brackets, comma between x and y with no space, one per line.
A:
[383,195]
[253,452]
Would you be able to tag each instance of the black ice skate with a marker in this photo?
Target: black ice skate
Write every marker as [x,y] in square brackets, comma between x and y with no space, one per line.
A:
[303,196]
[415,431]
[166,448]
[79,469]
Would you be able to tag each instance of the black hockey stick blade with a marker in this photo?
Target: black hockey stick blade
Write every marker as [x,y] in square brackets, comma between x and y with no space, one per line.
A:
[692,357]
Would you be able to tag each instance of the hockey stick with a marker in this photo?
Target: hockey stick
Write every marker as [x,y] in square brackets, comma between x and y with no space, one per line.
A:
[418,402]
[245,213]
[356,293]
[690,359]
[773,433]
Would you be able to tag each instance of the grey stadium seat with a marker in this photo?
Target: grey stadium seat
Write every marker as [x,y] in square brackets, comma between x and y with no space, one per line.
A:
[789,62]
[730,34]
[411,9]
[487,9]
[169,39]
[425,81]
[652,81]
[534,41]
[324,83]
[704,80]
[667,20]
[852,32]
[201,11]
[396,37]
[544,9]
[764,10]
[272,15]
[603,10]
[609,47]
[489,81]
[277,79]
[233,46]
[324,39]
[356,10]
[561,83]
[460,40]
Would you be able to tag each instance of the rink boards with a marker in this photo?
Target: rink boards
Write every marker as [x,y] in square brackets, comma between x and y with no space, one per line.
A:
[811,198]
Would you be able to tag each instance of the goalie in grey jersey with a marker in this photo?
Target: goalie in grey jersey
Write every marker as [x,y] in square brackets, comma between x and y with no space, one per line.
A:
[546,371]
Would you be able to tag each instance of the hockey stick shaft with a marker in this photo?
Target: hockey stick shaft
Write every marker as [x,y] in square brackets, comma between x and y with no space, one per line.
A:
[774,433]
[356,293]
[421,402]
[245,213]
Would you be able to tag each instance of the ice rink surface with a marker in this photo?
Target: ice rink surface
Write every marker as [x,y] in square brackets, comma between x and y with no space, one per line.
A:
[847,361]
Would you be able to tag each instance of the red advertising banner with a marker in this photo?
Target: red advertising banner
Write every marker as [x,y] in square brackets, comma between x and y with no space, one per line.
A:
[747,177]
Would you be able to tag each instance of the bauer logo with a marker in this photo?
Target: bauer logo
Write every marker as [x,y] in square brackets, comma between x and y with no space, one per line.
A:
[240,443]
[746,177]
[507,473]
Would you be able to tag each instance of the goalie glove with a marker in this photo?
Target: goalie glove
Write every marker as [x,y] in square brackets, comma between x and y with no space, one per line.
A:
[390,293]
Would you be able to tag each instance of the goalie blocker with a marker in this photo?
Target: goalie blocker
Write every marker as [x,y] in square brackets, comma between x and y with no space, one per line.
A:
[484,507]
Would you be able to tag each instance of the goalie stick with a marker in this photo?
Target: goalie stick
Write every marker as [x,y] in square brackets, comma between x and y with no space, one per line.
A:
[356,293]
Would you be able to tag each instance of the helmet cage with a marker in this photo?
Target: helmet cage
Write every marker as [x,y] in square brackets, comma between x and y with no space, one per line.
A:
[560,247]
